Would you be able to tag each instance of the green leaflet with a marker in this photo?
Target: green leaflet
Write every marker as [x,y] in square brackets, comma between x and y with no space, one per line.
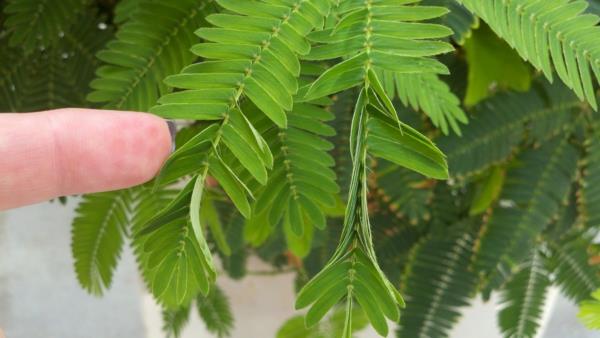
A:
[215,311]
[301,183]
[266,58]
[427,92]
[488,191]
[406,147]
[98,234]
[590,192]
[173,251]
[589,312]
[175,320]
[562,37]
[209,214]
[492,64]
[45,79]
[136,63]
[499,125]
[332,328]
[569,262]
[437,282]
[459,19]
[528,201]
[232,185]
[39,23]
[523,299]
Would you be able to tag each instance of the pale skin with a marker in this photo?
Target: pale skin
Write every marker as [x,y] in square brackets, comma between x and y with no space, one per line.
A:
[71,151]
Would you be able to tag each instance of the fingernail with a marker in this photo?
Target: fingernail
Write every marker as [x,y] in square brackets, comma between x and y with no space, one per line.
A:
[173,132]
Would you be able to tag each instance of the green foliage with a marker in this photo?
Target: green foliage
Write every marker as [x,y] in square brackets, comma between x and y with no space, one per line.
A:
[488,190]
[44,79]
[407,192]
[573,273]
[310,120]
[429,93]
[265,40]
[589,312]
[459,19]
[332,327]
[302,184]
[501,123]
[437,282]
[151,45]
[492,64]
[532,195]
[178,264]
[547,34]
[215,310]
[175,320]
[35,24]
[523,299]
[590,190]
[97,238]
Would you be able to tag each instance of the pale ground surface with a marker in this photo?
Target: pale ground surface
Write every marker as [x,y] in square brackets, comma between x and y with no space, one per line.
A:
[39,296]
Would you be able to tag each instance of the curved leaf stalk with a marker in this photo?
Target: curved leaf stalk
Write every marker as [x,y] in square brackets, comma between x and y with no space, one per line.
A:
[353,269]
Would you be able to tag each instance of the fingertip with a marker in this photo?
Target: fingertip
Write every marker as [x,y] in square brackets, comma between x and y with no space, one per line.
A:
[75,151]
[143,150]
[119,149]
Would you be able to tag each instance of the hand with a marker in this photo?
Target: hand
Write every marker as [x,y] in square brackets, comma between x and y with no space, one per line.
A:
[72,151]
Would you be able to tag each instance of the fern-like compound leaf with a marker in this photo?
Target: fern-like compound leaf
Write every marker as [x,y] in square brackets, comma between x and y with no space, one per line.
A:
[499,124]
[174,320]
[530,199]
[407,193]
[436,283]
[353,276]
[550,35]
[353,273]
[379,35]
[523,299]
[590,189]
[177,264]
[427,92]
[332,328]
[251,53]
[52,78]
[98,234]
[36,24]
[215,311]
[302,184]
[572,270]
[459,19]
[151,45]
